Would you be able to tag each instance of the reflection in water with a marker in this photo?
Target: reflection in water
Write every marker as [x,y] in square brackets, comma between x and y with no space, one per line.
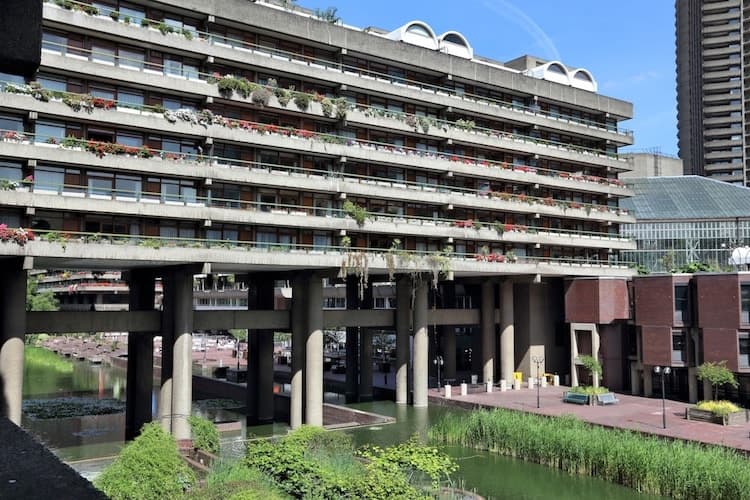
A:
[79,438]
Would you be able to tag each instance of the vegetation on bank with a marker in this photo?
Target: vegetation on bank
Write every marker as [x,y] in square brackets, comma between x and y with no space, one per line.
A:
[236,481]
[313,463]
[40,358]
[150,467]
[67,407]
[675,469]
[205,434]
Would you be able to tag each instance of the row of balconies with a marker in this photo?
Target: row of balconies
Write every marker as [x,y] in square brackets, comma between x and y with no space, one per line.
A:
[269,59]
[71,199]
[303,141]
[49,249]
[208,169]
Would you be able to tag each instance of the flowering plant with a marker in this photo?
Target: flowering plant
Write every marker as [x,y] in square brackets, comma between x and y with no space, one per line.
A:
[19,236]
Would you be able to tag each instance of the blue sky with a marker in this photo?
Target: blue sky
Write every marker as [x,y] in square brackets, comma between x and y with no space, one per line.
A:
[628,46]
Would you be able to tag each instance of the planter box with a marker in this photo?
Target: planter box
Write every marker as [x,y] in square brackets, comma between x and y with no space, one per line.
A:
[736,418]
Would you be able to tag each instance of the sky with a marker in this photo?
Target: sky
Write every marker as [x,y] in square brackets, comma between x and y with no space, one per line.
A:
[628,46]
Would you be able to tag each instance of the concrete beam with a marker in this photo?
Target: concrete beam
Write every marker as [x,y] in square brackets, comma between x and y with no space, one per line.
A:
[92,322]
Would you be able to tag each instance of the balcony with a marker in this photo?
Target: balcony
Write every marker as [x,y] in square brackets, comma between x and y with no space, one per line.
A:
[240,52]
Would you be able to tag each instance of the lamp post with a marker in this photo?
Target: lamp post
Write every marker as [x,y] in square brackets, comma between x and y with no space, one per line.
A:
[538,360]
[663,371]
[438,361]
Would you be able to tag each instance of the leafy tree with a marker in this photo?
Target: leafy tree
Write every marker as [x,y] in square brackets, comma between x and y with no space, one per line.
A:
[593,366]
[148,468]
[39,301]
[717,375]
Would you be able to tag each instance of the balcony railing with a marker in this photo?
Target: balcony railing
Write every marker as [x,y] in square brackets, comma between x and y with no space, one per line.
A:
[139,196]
[102,149]
[241,45]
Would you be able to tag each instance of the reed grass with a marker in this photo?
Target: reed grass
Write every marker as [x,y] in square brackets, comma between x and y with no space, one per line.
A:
[652,465]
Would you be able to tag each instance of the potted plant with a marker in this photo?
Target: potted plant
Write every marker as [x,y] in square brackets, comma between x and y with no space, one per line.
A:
[720,412]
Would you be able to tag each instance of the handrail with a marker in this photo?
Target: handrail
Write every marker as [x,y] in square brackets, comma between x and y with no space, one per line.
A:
[210,38]
[156,242]
[210,201]
[103,149]
[347,141]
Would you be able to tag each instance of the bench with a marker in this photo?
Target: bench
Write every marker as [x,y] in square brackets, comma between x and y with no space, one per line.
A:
[607,399]
[576,397]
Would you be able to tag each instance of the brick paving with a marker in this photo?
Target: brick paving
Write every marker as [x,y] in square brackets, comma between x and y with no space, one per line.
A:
[632,412]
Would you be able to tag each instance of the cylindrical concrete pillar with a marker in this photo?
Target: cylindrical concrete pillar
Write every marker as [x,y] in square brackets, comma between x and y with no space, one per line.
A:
[595,342]
[299,337]
[403,324]
[421,347]
[488,331]
[573,357]
[314,353]
[12,332]
[635,380]
[182,389]
[265,377]
[351,384]
[365,364]
[648,381]
[692,385]
[449,351]
[167,349]
[507,332]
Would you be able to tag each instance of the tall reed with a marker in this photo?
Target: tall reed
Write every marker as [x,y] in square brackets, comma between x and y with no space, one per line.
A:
[676,469]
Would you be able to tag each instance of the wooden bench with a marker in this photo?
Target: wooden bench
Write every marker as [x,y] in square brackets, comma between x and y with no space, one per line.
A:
[576,397]
[607,399]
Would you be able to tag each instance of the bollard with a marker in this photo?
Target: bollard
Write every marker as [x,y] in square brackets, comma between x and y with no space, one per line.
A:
[464,389]
[531,383]
[516,385]
[556,380]
[544,381]
[503,385]
[474,379]
[489,386]
[448,394]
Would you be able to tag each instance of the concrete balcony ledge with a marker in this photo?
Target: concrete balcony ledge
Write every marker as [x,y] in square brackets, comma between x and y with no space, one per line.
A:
[227,258]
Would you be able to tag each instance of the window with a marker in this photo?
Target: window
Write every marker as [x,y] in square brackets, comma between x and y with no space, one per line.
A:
[10,171]
[131,58]
[334,303]
[47,131]
[744,348]
[679,347]
[385,302]
[54,42]
[681,303]
[745,304]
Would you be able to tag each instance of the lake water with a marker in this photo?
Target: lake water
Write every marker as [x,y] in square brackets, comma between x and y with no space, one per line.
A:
[85,440]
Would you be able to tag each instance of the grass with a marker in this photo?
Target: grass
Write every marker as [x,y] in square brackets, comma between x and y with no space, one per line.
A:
[647,464]
[42,358]
[234,481]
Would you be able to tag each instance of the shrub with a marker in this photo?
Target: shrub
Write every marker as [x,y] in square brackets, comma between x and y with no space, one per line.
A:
[148,468]
[236,481]
[302,101]
[719,408]
[261,96]
[205,434]
[359,214]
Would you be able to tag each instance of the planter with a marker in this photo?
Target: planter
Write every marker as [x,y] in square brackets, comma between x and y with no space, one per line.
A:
[736,418]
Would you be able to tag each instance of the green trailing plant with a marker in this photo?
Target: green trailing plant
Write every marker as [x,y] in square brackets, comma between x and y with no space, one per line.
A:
[148,468]
[164,28]
[467,125]
[346,241]
[127,19]
[342,108]
[114,15]
[150,243]
[205,434]
[328,15]
[302,100]
[283,96]
[187,34]
[356,212]
[261,96]
[145,23]
[651,465]
[326,105]
[717,374]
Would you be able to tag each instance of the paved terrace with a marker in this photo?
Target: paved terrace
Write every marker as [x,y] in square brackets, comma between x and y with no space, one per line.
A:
[632,412]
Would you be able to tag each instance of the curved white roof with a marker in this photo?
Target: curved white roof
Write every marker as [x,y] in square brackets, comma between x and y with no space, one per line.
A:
[555,71]
[454,43]
[416,33]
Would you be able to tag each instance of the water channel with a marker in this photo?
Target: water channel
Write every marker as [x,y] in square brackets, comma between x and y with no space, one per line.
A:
[83,441]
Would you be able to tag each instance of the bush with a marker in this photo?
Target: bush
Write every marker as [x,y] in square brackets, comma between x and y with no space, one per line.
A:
[148,468]
[235,481]
[719,408]
[205,434]
[302,101]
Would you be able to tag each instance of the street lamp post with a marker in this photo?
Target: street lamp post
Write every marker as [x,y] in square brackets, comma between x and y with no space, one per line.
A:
[538,360]
[661,371]
[438,361]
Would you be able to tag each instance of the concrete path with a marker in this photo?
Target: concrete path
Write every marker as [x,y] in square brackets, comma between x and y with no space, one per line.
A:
[634,413]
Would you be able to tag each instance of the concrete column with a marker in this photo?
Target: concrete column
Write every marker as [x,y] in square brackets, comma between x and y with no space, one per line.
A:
[648,381]
[692,385]
[140,374]
[182,378]
[12,332]
[708,390]
[449,351]
[314,353]
[488,331]
[299,335]
[167,349]
[421,347]
[507,332]
[351,388]
[260,398]
[365,364]
[403,320]
[573,356]
[595,343]
[265,376]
